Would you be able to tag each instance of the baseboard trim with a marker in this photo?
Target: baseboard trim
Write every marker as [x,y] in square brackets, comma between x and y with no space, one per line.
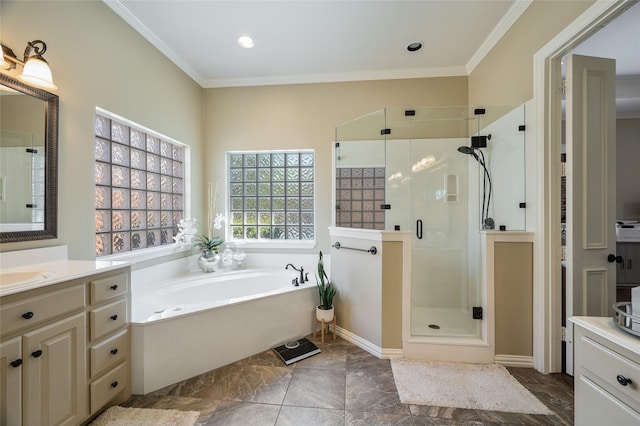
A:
[514,361]
[374,350]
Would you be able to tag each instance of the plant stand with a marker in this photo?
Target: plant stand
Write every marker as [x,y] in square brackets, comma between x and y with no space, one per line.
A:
[324,324]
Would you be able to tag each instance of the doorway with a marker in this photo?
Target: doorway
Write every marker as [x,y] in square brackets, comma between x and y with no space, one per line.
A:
[548,297]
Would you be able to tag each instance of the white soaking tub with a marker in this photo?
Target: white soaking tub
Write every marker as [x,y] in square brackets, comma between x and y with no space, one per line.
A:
[192,324]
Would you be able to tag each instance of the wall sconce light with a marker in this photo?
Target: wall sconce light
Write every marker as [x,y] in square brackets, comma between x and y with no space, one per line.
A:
[35,69]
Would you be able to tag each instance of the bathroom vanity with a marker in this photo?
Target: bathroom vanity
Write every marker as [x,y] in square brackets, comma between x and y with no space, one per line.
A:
[64,341]
[607,373]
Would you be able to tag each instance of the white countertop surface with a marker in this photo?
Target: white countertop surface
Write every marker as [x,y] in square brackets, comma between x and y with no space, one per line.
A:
[604,326]
[63,270]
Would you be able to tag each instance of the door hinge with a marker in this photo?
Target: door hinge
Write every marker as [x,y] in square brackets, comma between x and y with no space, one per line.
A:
[564,334]
[563,169]
[563,87]
[477,312]
[563,254]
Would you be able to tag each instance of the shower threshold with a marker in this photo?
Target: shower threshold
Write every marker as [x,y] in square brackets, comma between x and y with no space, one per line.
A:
[444,322]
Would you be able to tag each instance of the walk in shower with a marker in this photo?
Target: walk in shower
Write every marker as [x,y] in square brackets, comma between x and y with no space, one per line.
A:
[446,175]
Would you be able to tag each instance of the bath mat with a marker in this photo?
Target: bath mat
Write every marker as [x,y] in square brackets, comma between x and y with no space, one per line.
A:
[471,386]
[296,350]
[123,416]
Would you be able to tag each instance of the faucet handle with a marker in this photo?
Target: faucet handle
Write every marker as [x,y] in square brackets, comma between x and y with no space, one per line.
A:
[295,282]
[306,277]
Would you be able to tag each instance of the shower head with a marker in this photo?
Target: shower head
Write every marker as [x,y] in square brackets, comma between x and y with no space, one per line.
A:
[466,150]
[471,151]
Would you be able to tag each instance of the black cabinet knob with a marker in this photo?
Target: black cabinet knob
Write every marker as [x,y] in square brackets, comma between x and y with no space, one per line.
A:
[27,315]
[114,317]
[624,381]
[114,351]
[114,287]
[16,363]
[114,384]
[36,354]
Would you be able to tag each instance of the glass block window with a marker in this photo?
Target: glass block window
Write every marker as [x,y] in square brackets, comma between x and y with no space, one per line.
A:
[139,178]
[271,195]
[359,194]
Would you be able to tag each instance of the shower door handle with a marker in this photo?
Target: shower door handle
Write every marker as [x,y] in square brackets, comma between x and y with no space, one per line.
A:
[419,229]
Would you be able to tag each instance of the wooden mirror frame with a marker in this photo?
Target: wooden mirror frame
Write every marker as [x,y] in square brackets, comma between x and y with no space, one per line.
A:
[51,103]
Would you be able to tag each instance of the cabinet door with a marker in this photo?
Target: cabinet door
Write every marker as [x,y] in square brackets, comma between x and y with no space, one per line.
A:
[11,382]
[621,268]
[55,386]
[597,407]
[632,263]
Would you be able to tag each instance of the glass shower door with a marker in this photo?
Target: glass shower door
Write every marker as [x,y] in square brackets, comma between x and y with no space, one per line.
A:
[445,280]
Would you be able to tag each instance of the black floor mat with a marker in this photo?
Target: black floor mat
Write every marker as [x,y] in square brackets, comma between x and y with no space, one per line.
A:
[296,350]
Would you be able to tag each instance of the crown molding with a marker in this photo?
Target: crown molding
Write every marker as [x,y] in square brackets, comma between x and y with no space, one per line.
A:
[512,15]
[122,11]
[392,74]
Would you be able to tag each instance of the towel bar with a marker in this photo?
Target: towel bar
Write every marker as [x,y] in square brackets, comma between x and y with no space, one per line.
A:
[373,250]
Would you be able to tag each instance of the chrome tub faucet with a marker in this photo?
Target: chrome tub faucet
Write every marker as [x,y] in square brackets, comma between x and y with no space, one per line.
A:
[303,278]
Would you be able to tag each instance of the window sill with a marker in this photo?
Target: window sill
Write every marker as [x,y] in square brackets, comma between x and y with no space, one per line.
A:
[273,244]
[147,254]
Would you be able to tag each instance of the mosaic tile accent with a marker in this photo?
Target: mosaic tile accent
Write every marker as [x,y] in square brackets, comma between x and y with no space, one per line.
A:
[139,187]
[359,194]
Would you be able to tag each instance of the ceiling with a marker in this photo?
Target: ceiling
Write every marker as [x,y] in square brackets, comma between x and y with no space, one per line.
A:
[311,41]
[305,41]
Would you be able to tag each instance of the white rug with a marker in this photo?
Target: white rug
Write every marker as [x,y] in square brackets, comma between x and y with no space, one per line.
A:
[122,416]
[471,386]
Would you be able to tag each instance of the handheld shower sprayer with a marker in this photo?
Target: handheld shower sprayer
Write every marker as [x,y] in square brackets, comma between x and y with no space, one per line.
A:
[487,222]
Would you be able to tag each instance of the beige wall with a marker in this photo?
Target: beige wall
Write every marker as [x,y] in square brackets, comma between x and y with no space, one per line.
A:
[392,295]
[505,75]
[305,116]
[628,172]
[513,275]
[99,60]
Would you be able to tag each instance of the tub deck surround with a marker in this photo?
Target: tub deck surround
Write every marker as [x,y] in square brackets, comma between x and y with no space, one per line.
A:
[200,291]
[52,266]
[194,322]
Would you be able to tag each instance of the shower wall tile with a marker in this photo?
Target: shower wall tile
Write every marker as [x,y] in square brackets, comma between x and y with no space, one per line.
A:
[359,194]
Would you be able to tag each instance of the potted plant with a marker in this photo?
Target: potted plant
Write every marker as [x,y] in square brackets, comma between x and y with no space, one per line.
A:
[327,291]
[210,258]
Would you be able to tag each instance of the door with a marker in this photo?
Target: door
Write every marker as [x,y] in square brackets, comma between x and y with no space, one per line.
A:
[11,382]
[55,386]
[629,268]
[445,287]
[591,189]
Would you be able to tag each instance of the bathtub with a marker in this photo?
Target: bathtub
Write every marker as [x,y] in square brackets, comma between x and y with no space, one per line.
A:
[187,325]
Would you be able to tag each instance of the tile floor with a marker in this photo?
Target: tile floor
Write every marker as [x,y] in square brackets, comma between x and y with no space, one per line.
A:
[343,385]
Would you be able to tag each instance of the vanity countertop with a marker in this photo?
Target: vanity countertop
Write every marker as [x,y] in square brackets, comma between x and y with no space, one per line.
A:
[604,327]
[22,278]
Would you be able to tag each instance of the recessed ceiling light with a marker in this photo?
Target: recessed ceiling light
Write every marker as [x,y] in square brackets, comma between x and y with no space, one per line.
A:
[414,47]
[246,42]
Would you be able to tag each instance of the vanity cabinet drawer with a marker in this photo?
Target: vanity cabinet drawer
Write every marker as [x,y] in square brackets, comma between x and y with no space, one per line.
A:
[107,387]
[612,371]
[107,354]
[34,310]
[108,318]
[107,288]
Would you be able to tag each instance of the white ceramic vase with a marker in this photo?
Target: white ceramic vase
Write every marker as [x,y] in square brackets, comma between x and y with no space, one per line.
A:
[325,315]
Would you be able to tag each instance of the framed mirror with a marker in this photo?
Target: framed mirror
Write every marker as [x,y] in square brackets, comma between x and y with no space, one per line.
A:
[28,162]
